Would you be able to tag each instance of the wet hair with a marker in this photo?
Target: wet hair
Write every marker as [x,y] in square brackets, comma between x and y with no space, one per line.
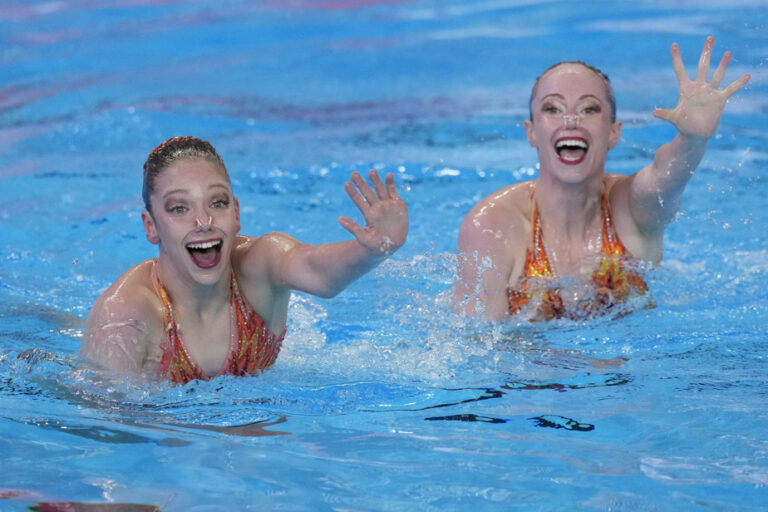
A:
[606,81]
[170,151]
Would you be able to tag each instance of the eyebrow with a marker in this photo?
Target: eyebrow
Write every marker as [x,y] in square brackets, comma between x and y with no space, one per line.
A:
[560,96]
[185,191]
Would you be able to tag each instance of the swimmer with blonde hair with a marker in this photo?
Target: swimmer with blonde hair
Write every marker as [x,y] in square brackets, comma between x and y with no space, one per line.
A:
[215,302]
[575,220]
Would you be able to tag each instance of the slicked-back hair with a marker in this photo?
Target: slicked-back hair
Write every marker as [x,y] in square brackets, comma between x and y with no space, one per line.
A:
[173,150]
[606,81]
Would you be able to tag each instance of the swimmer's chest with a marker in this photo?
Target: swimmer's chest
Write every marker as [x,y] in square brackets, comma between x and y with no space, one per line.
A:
[207,343]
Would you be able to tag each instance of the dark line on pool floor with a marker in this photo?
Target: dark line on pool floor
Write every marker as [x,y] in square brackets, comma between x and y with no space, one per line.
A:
[545,421]
[467,418]
[554,421]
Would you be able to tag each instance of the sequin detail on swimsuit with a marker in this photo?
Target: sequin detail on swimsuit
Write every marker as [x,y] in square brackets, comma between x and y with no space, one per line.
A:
[612,280]
[253,345]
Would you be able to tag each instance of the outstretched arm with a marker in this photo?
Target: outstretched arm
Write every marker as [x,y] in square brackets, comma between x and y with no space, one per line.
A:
[327,269]
[656,190]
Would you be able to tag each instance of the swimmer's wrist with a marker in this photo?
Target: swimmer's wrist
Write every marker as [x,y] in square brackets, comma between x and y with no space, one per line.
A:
[378,254]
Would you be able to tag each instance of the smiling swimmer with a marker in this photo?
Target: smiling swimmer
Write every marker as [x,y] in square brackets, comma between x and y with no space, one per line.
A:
[216,302]
[575,221]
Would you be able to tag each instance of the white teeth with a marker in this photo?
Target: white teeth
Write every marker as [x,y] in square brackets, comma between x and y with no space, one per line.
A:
[571,143]
[204,245]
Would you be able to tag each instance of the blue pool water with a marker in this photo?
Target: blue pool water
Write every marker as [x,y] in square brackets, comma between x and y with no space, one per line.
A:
[382,398]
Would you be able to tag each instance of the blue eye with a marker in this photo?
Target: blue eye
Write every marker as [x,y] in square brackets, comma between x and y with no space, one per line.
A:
[220,204]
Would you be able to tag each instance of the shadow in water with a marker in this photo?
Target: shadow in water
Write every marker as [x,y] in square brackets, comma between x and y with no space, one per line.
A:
[467,418]
[578,382]
[553,421]
[545,421]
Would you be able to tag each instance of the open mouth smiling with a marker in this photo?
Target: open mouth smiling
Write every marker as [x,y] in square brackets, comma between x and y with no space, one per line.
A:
[571,150]
[205,254]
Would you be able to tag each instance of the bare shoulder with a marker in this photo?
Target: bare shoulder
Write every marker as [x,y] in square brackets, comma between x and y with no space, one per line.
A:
[272,242]
[254,257]
[124,320]
[500,218]
[132,294]
[492,244]
[258,262]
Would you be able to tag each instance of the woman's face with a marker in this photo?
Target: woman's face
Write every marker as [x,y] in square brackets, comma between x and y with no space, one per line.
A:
[571,127]
[195,218]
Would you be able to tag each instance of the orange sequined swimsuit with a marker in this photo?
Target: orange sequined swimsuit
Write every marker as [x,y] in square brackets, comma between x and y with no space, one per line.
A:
[613,282]
[252,346]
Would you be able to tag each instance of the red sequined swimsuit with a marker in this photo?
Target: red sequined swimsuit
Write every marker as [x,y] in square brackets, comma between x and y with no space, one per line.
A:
[252,347]
[612,281]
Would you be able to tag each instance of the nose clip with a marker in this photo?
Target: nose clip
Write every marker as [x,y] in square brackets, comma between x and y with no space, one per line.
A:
[571,120]
[204,227]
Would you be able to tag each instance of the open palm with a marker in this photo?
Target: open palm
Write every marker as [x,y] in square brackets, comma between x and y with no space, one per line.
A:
[385,213]
[701,103]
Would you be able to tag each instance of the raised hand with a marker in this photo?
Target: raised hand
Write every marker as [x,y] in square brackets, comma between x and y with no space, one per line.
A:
[701,104]
[385,214]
